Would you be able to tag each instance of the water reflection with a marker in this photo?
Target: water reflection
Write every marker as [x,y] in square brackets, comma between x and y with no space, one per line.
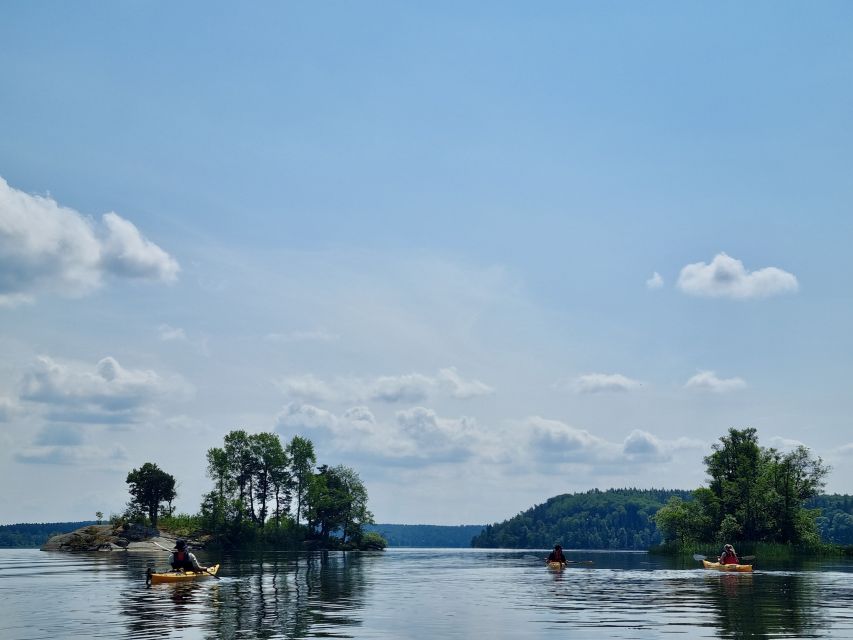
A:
[421,594]
[766,605]
[266,595]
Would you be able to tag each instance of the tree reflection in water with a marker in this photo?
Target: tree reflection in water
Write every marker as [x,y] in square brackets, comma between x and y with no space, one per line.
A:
[765,605]
[290,595]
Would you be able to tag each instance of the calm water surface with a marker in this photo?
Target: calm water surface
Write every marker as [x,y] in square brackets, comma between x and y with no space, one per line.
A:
[419,593]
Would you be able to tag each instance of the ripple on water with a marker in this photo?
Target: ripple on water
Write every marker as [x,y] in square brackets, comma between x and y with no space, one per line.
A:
[415,594]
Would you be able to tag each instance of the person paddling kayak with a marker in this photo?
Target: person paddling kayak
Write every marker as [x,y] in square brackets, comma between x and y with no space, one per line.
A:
[557,555]
[182,560]
[729,556]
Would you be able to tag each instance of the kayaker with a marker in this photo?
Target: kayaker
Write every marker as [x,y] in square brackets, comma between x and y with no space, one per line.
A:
[182,560]
[728,556]
[557,555]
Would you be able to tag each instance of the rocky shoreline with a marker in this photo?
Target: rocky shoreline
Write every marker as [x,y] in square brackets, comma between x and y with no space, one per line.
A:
[109,538]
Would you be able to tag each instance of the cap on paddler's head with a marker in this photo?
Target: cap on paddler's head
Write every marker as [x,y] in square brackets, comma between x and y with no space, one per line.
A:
[180,544]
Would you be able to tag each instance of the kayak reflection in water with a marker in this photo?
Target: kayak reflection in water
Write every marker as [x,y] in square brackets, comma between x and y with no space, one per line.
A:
[182,560]
[728,556]
[557,555]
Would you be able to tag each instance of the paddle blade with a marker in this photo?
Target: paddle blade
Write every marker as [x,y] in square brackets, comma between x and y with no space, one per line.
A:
[747,559]
[698,557]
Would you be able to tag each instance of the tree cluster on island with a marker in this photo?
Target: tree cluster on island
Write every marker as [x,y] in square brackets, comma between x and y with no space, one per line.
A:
[754,495]
[265,494]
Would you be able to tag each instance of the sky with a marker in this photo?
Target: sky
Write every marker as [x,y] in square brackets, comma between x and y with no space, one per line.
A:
[483,253]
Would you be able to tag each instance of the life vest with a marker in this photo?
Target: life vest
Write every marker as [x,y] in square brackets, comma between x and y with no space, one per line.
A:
[181,560]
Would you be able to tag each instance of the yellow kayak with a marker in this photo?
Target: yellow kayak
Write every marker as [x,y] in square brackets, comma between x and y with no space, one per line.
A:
[556,566]
[726,567]
[180,576]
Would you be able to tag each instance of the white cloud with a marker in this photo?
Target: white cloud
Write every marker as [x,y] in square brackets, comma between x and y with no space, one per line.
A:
[415,437]
[436,438]
[641,445]
[556,441]
[655,282]
[708,381]
[7,409]
[411,387]
[126,252]
[462,389]
[603,382]
[726,277]
[307,387]
[109,394]
[168,333]
[405,388]
[45,247]
[296,418]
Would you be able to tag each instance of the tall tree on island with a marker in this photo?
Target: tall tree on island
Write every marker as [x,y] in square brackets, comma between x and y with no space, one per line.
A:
[269,462]
[238,452]
[754,494]
[337,501]
[149,487]
[302,461]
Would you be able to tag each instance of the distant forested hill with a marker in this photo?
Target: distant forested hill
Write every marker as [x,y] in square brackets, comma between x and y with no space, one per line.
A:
[612,519]
[426,535]
[35,534]
[836,519]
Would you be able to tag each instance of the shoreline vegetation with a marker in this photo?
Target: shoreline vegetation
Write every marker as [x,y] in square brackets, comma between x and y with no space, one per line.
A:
[767,503]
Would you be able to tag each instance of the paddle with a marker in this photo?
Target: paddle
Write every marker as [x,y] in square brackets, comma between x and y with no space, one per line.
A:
[573,561]
[170,551]
[699,557]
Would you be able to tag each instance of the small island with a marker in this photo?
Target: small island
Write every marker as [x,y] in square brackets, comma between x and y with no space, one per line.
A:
[265,496]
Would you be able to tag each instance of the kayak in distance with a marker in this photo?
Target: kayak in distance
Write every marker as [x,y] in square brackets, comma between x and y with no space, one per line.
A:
[727,567]
[555,566]
[180,576]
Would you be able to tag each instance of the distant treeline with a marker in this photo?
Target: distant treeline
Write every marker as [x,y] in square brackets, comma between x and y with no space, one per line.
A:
[592,520]
[835,522]
[426,535]
[35,534]
[611,519]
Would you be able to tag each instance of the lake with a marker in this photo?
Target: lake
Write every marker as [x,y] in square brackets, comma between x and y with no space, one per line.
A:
[420,594]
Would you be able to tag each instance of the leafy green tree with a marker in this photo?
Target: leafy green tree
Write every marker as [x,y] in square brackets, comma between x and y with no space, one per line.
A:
[680,521]
[99,515]
[736,480]
[149,487]
[326,502]
[268,460]
[218,470]
[356,514]
[302,460]
[238,452]
[282,483]
[794,478]
[759,494]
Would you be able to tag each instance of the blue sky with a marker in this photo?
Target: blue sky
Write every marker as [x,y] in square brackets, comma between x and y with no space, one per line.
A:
[484,254]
